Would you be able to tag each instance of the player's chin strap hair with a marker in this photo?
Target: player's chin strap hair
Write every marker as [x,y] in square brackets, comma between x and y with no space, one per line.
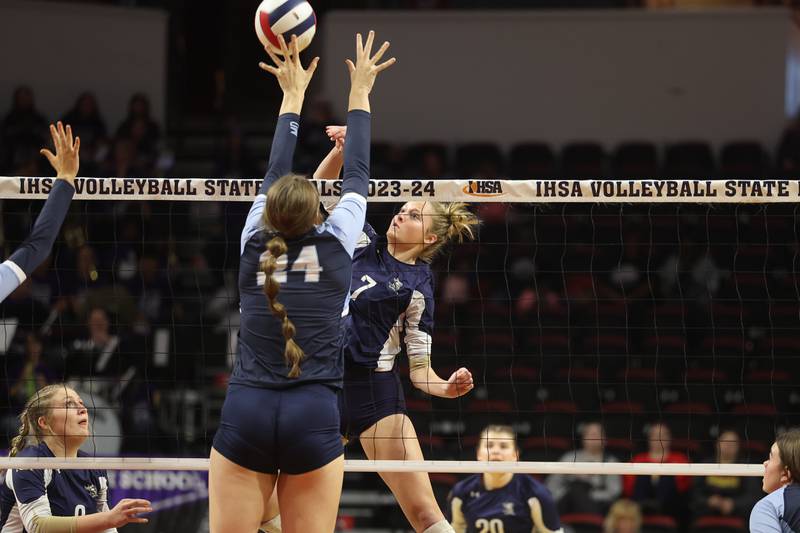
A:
[292,210]
[37,406]
[449,222]
[538,521]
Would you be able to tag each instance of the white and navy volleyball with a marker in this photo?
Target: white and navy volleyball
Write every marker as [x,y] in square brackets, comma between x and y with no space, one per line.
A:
[287,17]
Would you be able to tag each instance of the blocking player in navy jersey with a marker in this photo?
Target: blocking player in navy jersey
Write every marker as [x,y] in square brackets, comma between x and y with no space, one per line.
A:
[281,412]
[391,304]
[779,510]
[25,259]
[59,501]
[502,503]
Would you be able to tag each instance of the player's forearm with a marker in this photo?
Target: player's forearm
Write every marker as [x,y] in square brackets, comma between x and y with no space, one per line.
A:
[429,382]
[283,144]
[292,103]
[356,153]
[95,523]
[37,246]
[359,99]
[331,166]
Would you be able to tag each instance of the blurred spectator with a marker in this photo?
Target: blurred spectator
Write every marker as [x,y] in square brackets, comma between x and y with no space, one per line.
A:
[236,161]
[88,124]
[586,493]
[139,126]
[660,494]
[95,363]
[30,375]
[725,495]
[789,149]
[623,517]
[23,132]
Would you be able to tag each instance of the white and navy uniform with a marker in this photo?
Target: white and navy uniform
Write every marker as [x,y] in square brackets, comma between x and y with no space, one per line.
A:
[28,494]
[524,505]
[25,259]
[391,304]
[271,422]
[778,511]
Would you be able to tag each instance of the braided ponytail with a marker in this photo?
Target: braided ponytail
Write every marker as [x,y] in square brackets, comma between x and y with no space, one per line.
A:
[293,353]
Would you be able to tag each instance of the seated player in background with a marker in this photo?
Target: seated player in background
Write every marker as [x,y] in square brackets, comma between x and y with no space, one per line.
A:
[53,500]
[779,510]
[667,495]
[30,254]
[586,493]
[724,495]
[511,503]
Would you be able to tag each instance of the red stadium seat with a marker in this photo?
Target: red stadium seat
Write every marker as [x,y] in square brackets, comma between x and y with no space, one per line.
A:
[659,524]
[719,524]
[583,522]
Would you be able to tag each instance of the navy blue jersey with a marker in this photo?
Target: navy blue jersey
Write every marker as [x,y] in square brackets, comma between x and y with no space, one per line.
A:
[30,493]
[314,274]
[389,300]
[524,505]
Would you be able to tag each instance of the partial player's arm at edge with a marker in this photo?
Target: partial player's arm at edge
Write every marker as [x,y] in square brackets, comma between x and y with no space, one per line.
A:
[38,245]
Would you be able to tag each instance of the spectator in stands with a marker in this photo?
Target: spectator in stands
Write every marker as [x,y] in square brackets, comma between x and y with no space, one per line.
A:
[236,161]
[725,495]
[586,493]
[96,363]
[139,125]
[665,495]
[87,123]
[779,511]
[30,375]
[623,517]
[22,132]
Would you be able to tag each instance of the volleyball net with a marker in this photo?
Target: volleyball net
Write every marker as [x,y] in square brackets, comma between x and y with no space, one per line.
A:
[624,303]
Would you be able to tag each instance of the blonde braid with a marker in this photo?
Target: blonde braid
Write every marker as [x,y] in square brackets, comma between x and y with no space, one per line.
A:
[293,353]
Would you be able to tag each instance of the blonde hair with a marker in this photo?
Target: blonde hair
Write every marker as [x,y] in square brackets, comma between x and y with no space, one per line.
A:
[37,406]
[292,210]
[449,222]
[789,449]
[622,509]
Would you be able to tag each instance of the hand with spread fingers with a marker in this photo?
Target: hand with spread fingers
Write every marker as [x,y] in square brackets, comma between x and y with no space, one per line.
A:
[127,511]
[66,160]
[292,77]
[364,71]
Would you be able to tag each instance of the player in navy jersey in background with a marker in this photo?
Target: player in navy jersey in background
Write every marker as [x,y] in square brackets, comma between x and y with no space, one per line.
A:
[36,247]
[281,412]
[502,503]
[779,510]
[391,304]
[59,501]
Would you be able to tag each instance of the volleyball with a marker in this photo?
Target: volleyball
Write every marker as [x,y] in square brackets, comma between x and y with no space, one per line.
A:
[287,18]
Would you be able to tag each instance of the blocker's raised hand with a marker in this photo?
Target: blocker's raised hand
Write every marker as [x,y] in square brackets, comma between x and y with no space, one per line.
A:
[291,75]
[66,160]
[366,68]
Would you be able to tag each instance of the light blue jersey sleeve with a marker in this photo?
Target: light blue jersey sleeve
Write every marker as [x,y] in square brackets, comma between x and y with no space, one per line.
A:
[253,224]
[346,222]
[765,516]
[11,277]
